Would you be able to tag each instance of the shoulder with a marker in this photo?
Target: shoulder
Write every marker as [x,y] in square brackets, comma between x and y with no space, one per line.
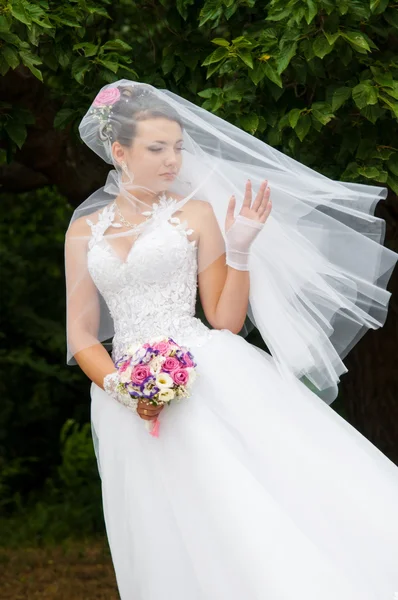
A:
[83,226]
[197,207]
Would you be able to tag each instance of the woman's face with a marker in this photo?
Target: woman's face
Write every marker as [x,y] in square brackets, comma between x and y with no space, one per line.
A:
[155,156]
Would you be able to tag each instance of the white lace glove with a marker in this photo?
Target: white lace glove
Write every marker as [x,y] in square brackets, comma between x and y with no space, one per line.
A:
[241,231]
[110,384]
[239,238]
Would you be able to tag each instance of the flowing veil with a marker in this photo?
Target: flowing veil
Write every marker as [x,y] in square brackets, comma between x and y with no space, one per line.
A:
[318,269]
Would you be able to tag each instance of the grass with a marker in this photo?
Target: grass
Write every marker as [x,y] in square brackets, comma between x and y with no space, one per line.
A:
[73,570]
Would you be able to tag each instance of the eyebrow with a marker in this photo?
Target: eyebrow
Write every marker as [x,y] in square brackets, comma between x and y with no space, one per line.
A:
[163,142]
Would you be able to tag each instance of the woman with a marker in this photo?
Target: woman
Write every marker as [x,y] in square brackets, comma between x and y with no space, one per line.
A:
[253,488]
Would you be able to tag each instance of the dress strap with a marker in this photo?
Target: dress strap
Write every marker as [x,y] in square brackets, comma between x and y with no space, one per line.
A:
[105,220]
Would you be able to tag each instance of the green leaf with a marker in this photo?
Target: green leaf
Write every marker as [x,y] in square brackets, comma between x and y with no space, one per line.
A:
[108,64]
[392,183]
[311,11]
[383,78]
[5,23]
[79,68]
[242,42]
[321,46]
[19,12]
[340,95]
[278,15]
[209,92]
[378,6]
[331,37]
[392,104]
[220,42]
[88,49]
[372,113]
[365,148]
[117,45]
[215,56]
[391,16]
[285,56]
[63,117]
[258,72]
[294,115]
[212,69]
[11,56]
[16,131]
[392,164]
[30,60]
[303,126]
[182,7]
[394,91]
[272,75]
[246,56]
[250,122]
[373,173]
[322,111]
[364,94]
[357,41]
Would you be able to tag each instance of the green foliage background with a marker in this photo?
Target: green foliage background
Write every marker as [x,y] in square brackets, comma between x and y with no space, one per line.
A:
[316,79]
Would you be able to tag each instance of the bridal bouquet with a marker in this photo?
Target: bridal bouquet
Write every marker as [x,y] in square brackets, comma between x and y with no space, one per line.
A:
[157,372]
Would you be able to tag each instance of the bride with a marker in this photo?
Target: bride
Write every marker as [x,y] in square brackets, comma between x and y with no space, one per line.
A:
[252,488]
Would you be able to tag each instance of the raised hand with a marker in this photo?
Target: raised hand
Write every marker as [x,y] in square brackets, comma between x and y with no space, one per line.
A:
[258,211]
[241,231]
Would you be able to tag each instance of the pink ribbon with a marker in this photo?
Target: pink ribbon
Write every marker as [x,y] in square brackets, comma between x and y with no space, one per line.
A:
[155,429]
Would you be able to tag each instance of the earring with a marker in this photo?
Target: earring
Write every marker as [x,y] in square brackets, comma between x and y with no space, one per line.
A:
[124,166]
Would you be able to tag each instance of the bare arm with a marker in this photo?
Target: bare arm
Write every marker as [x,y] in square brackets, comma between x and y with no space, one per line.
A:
[83,308]
[223,291]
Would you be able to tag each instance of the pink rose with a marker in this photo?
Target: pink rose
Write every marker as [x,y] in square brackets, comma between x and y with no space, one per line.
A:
[140,373]
[170,364]
[163,347]
[107,97]
[180,376]
[124,366]
[186,360]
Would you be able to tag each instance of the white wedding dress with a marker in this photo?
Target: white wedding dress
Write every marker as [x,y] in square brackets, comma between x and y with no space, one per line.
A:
[255,489]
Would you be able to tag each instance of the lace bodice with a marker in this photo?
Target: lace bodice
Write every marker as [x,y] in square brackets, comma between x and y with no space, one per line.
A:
[153,291]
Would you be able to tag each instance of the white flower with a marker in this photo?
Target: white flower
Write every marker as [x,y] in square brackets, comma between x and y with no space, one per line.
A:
[156,364]
[192,375]
[133,348]
[125,376]
[166,395]
[163,380]
[138,355]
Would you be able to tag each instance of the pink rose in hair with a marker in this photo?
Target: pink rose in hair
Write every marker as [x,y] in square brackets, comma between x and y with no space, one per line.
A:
[180,376]
[107,97]
[170,364]
[140,373]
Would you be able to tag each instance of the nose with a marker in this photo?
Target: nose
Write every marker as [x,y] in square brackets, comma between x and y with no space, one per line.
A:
[171,157]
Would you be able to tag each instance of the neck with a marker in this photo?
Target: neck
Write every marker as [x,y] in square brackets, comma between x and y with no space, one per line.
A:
[135,203]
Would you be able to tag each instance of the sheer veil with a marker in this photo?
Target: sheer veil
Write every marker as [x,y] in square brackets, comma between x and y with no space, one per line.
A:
[318,269]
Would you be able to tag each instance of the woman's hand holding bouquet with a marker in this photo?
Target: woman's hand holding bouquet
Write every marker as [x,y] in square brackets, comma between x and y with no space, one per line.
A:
[151,375]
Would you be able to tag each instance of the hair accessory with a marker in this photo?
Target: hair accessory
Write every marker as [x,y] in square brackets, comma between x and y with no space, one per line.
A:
[102,108]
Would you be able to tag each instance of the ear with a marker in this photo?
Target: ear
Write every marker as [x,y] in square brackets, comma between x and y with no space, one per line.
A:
[118,152]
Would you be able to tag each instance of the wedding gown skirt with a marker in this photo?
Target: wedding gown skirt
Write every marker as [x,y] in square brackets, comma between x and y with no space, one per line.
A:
[254,490]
